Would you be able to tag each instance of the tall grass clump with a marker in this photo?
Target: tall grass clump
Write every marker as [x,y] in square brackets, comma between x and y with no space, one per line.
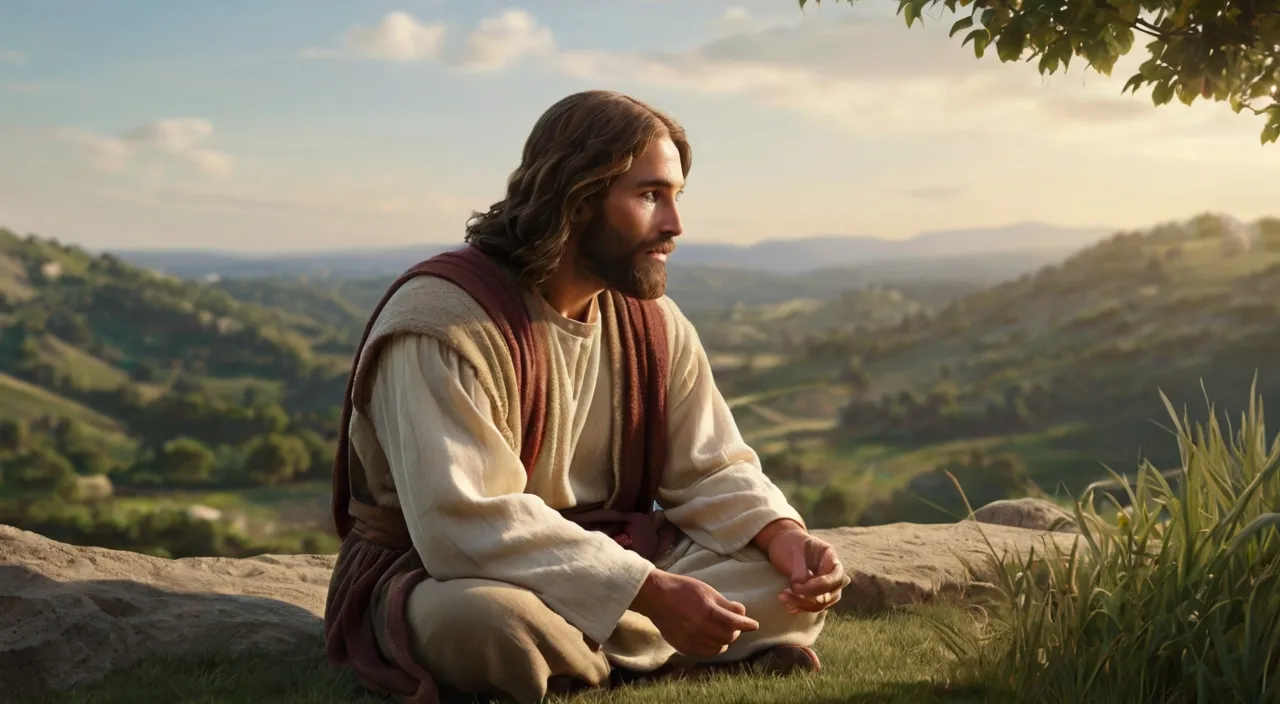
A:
[1173,599]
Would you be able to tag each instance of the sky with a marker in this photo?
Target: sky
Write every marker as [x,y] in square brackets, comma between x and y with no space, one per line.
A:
[286,125]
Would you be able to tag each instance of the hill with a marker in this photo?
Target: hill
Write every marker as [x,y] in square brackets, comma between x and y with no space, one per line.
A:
[860,385]
[117,377]
[776,256]
[1048,375]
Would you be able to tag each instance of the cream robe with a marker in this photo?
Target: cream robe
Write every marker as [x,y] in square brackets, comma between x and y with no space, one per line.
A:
[471,515]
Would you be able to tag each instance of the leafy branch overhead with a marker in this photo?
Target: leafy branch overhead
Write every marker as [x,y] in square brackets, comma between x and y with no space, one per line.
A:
[1211,49]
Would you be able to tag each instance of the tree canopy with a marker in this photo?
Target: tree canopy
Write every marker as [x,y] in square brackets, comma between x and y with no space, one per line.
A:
[1211,49]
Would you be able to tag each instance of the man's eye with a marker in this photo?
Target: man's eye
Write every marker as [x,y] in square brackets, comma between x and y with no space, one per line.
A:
[650,195]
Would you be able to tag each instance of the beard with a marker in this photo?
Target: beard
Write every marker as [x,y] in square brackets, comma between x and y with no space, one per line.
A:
[625,268]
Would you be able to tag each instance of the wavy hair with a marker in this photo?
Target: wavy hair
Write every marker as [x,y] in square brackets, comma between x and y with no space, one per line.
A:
[575,150]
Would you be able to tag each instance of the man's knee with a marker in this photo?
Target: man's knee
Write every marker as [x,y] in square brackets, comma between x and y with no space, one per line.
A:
[483,608]
[485,636]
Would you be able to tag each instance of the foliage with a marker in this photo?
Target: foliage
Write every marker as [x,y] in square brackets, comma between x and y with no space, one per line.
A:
[1176,599]
[1215,49]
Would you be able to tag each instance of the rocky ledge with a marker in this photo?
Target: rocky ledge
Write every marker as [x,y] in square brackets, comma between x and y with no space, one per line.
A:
[71,614]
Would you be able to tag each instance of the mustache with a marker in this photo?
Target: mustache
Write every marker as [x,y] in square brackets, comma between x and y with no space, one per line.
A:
[665,245]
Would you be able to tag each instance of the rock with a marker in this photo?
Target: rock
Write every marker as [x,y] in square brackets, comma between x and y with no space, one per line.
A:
[71,614]
[94,488]
[902,564]
[1027,512]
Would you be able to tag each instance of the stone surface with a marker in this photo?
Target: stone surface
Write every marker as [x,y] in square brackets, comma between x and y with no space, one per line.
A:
[903,564]
[1036,514]
[70,614]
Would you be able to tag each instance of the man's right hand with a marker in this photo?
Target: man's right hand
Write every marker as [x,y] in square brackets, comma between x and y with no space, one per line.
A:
[694,618]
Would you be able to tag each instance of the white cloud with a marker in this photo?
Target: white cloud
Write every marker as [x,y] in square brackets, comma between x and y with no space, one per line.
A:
[103,153]
[398,37]
[176,137]
[499,41]
[495,44]
[868,73]
[874,75]
[12,56]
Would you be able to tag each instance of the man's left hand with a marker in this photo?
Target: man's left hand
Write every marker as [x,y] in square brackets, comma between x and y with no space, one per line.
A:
[817,577]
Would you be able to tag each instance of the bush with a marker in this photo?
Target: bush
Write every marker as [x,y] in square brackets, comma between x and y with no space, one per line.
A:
[1175,598]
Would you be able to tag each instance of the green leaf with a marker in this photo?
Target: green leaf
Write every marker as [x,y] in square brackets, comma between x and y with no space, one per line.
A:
[1128,11]
[980,38]
[1187,93]
[1262,88]
[1048,62]
[1162,93]
[1011,42]
[1271,132]
[1134,83]
[911,11]
[962,23]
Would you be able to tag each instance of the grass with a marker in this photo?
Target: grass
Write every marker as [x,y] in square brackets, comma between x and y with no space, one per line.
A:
[85,370]
[13,279]
[895,658]
[1178,601]
[18,399]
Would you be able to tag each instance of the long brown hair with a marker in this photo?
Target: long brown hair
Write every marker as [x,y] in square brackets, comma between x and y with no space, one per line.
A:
[573,152]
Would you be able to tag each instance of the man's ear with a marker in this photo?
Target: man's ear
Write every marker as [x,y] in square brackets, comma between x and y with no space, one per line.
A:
[583,212]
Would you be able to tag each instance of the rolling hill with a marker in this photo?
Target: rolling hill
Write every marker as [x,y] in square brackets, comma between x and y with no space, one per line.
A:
[1063,367]
[855,383]
[1036,241]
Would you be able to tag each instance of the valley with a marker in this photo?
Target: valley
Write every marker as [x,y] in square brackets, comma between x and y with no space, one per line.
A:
[181,414]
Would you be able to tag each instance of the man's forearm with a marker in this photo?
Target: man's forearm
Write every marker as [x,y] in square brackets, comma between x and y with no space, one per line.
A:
[775,528]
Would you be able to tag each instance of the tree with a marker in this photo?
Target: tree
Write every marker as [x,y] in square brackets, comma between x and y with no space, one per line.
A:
[1211,49]
[14,435]
[184,460]
[276,458]
[40,473]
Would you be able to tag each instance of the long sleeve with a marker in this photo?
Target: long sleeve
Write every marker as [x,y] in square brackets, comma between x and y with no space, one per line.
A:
[714,487]
[462,490]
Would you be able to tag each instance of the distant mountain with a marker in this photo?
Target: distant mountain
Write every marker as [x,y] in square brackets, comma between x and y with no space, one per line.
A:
[782,256]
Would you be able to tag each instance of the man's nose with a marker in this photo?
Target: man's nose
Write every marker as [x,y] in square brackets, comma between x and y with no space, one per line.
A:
[672,225]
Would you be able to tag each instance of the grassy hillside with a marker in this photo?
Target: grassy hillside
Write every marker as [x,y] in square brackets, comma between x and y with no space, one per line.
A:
[1062,368]
[859,395]
[154,384]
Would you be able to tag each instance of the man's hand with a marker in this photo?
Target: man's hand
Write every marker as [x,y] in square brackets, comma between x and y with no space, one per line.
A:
[817,577]
[694,618]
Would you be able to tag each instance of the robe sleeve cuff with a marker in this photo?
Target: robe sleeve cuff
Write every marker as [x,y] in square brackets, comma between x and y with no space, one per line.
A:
[598,605]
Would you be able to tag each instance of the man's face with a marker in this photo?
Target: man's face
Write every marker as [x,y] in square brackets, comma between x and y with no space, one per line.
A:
[627,241]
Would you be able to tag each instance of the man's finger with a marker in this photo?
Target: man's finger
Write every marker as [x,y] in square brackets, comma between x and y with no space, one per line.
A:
[735,607]
[822,584]
[813,604]
[734,620]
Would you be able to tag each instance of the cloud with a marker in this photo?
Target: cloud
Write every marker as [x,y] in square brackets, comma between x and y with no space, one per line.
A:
[398,37]
[867,73]
[176,137]
[12,56]
[499,41]
[495,44]
[874,75]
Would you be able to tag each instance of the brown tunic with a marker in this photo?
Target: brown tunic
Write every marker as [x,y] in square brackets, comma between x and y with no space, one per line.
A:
[377,553]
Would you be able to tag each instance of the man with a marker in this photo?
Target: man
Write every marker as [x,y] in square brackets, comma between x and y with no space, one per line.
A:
[514,412]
